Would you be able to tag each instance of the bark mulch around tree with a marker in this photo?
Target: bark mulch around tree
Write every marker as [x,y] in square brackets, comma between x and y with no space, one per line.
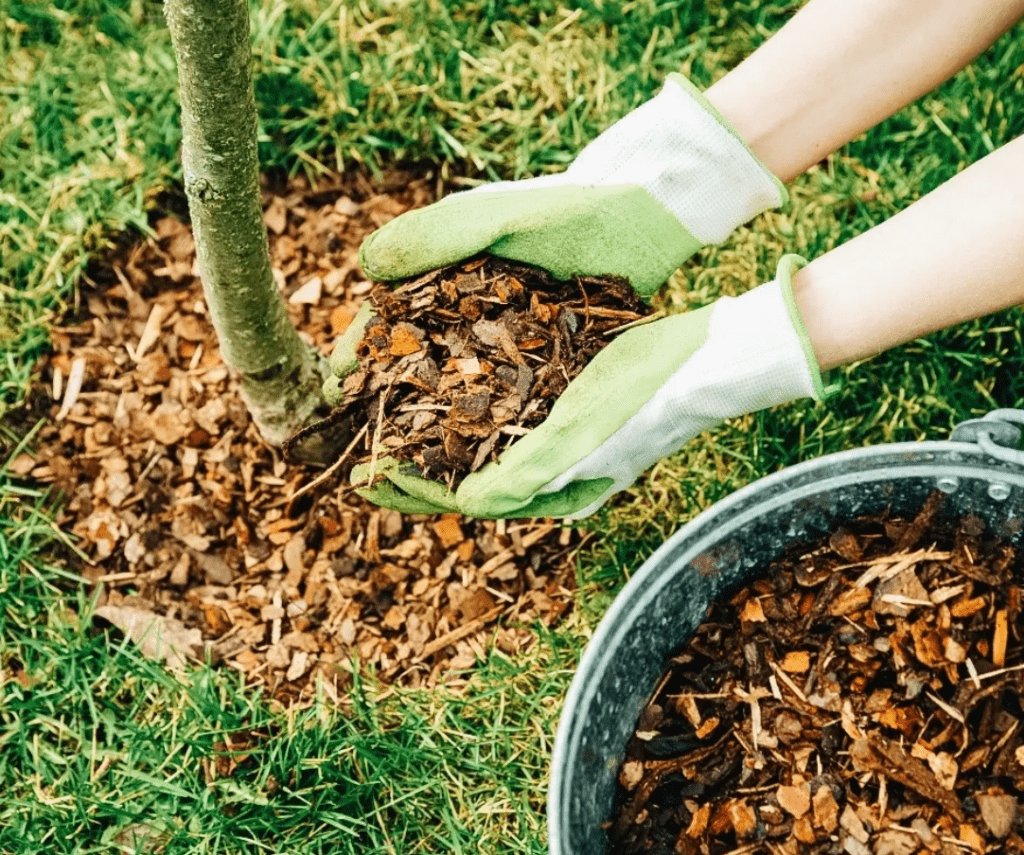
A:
[863,698]
[182,515]
[460,362]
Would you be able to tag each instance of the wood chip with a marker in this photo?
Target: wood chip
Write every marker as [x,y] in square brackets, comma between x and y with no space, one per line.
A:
[794,800]
[826,809]
[999,637]
[73,388]
[309,293]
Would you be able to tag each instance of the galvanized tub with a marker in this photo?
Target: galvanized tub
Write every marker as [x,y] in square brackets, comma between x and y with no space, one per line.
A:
[730,544]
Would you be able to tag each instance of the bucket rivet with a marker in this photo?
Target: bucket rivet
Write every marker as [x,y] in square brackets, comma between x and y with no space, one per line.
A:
[948,484]
[998,490]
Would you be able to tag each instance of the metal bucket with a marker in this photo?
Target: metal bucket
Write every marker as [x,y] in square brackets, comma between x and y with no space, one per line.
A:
[729,545]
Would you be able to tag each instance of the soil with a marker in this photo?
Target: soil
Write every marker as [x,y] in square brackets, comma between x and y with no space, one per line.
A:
[864,697]
[179,516]
[460,362]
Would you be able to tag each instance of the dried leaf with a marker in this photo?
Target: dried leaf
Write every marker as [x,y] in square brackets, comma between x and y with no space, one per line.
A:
[158,637]
[999,811]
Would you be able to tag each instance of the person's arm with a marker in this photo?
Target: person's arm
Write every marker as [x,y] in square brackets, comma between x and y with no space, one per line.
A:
[954,255]
[838,68]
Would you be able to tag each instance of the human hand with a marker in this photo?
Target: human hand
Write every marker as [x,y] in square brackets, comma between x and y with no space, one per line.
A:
[641,398]
[664,181]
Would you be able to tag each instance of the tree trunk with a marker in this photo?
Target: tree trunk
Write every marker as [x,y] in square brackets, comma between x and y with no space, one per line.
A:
[281,375]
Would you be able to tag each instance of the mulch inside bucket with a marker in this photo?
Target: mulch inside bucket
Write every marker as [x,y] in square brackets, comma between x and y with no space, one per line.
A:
[863,697]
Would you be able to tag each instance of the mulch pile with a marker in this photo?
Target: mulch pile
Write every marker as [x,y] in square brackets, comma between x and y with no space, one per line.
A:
[184,516]
[863,698]
[458,363]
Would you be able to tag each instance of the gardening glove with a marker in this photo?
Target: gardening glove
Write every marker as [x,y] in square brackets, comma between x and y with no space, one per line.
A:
[667,179]
[640,399]
[664,181]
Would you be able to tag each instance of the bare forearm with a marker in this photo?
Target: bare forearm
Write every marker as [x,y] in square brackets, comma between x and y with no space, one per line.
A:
[838,68]
[954,255]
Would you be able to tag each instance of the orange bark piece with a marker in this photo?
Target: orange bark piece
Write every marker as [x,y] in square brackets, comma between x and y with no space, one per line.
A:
[216,618]
[903,719]
[971,837]
[826,810]
[796,662]
[966,608]
[403,342]
[928,644]
[341,317]
[707,727]
[532,344]
[465,550]
[794,800]
[744,821]
[448,530]
[752,612]
[329,525]
[721,821]
[850,601]
[999,637]
[394,618]
[699,823]
[803,830]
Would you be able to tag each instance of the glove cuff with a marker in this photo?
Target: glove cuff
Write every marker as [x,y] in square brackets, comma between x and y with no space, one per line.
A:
[788,266]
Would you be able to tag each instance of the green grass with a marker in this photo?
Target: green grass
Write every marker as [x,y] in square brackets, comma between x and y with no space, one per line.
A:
[100,741]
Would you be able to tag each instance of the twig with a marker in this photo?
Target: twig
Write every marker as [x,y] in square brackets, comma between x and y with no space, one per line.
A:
[586,306]
[951,711]
[1006,737]
[459,633]
[74,386]
[657,316]
[336,416]
[603,312]
[789,682]
[974,673]
[375,444]
[701,695]
[998,672]
[334,467]
[150,333]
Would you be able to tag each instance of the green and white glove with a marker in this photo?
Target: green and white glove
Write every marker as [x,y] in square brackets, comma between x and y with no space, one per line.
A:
[639,400]
[645,395]
[664,181]
[667,179]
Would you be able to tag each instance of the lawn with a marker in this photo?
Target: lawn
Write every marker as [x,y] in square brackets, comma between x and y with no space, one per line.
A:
[100,747]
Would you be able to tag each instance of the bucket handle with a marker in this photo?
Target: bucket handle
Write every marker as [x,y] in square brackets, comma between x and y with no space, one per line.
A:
[996,433]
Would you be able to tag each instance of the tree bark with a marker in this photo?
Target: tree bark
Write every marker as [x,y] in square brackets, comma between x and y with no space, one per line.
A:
[281,375]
